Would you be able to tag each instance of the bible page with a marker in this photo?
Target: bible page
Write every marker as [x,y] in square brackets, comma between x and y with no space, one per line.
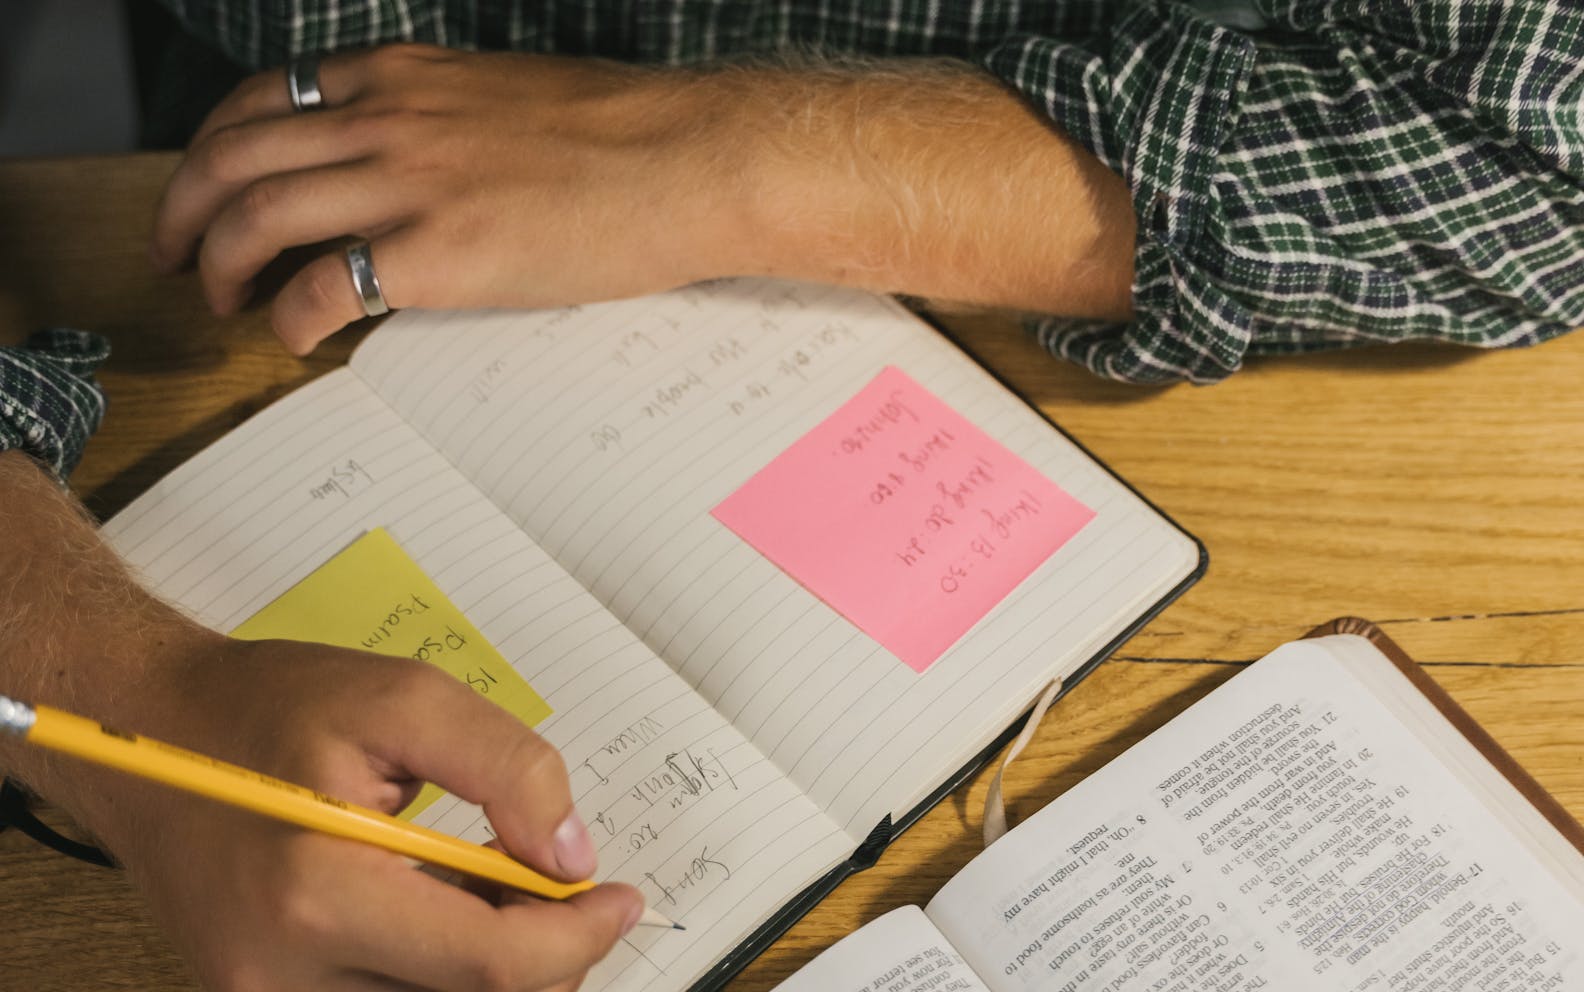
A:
[679,803]
[1286,832]
[898,952]
[610,432]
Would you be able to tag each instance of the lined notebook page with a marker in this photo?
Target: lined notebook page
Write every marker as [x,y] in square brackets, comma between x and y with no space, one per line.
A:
[609,432]
[681,804]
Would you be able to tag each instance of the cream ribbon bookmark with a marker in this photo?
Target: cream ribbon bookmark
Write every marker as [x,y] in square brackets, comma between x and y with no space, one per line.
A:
[995,822]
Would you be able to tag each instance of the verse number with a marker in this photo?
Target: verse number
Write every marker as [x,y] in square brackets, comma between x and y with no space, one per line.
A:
[482,680]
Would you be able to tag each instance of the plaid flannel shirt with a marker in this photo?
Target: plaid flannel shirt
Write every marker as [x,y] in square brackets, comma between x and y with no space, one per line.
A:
[1325,173]
[49,401]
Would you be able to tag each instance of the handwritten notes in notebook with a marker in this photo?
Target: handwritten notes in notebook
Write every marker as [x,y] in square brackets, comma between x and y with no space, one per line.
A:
[904,517]
[372,596]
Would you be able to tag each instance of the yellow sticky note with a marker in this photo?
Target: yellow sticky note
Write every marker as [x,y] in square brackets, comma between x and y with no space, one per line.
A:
[373,597]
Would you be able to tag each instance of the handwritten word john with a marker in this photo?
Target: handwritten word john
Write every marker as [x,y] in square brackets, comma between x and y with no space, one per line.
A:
[698,870]
[894,411]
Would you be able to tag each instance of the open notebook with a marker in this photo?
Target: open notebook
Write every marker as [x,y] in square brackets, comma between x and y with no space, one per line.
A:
[736,745]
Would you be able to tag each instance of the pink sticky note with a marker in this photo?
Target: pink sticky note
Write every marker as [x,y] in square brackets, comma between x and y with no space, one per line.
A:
[904,517]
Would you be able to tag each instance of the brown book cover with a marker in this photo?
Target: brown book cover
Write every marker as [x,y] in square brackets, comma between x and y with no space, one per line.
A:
[1503,762]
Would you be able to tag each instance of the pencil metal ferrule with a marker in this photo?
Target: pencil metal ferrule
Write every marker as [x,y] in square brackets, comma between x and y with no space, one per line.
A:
[16,718]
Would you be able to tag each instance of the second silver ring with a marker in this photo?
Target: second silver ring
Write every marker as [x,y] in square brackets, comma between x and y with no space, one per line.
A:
[361,261]
[302,84]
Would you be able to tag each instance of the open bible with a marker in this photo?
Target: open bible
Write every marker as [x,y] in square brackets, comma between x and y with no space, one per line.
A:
[1329,820]
[736,745]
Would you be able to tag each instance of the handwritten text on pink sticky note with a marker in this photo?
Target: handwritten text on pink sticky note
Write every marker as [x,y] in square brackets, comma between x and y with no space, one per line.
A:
[904,517]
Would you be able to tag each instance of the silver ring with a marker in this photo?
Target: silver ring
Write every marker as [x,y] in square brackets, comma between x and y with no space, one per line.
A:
[302,82]
[361,262]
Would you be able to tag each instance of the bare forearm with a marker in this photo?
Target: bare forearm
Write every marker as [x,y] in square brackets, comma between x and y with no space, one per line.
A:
[930,179]
[75,631]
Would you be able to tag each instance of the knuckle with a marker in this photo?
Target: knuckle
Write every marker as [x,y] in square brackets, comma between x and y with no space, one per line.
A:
[535,757]
[253,92]
[220,155]
[391,65]
[300,913]
[403,684]
[285,324]
[313,304]
[308,761]
[220,265]
[407,53]
[325,287]
[258,88]
[404,75]
[212,280]
[293,900]
[257,204]
[604,929]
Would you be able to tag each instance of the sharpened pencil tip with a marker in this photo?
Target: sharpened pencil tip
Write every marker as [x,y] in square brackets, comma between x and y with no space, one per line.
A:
[651,918]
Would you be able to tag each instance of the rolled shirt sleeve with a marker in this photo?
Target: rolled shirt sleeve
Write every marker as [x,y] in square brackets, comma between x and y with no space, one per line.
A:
[1353,173]
[50,403]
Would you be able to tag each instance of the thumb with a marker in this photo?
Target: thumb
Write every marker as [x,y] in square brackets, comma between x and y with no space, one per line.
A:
[586,927]
[448,734]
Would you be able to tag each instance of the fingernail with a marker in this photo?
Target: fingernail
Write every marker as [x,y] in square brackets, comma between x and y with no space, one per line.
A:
[574,848]
[633,916]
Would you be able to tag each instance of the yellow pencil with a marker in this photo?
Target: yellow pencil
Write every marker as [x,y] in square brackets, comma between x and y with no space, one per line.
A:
[67,733]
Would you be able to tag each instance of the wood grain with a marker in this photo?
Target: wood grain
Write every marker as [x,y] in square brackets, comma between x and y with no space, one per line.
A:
[1433,490]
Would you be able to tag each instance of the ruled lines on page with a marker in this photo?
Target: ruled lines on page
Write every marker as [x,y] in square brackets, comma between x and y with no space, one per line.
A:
[680,803]
[609,433]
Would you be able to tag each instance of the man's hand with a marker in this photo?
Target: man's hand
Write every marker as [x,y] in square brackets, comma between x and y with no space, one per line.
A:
[252,903]
[533,181]
[255,904]
[480,180]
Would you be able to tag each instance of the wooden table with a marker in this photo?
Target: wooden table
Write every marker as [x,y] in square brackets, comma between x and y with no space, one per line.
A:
[1438,492]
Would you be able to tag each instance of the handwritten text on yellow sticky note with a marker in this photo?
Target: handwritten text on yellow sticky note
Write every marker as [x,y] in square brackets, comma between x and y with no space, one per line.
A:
[373,597]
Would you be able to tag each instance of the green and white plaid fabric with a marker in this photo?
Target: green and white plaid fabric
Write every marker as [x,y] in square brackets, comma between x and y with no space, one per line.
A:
[49,401]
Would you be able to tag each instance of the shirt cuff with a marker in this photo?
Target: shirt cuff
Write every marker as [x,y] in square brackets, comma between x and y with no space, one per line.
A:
[1334,183]
[50,403]
[1154,96]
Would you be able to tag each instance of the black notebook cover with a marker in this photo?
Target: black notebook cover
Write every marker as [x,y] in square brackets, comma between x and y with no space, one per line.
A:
[888,829]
